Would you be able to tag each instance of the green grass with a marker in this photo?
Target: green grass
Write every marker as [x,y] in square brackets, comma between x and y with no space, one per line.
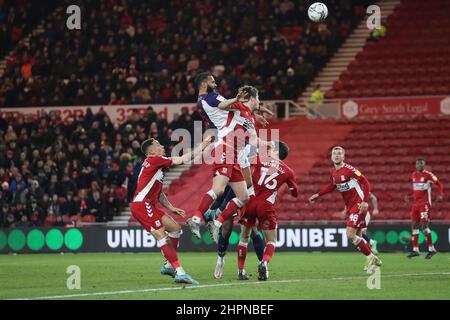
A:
[307,275]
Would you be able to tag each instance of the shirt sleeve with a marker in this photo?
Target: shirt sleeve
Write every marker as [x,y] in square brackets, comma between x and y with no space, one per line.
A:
[327,188]
[292,184]
[438,183]
[214,99]
[364,183]
[162,162]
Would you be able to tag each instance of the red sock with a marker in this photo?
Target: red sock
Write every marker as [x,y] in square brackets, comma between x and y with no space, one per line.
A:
[268,251]
[206,202]
[415,241]
[364,247]
[231,209]
[170,254]
[175,242]
[242,254]
[429,240]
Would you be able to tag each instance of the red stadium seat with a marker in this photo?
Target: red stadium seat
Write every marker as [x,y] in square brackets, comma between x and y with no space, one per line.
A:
[88,218]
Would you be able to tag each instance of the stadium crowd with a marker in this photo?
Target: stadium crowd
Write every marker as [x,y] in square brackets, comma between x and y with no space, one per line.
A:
[131,52]
[54,173]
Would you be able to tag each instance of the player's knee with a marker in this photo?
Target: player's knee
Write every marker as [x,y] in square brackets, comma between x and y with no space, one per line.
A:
[351,235]
[243,198]
[216,192]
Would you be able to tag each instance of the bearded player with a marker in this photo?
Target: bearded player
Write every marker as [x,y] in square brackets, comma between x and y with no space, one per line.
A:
[149,194]
[269,174]
[214,110]
[355,189]
[219,113]
[420,212]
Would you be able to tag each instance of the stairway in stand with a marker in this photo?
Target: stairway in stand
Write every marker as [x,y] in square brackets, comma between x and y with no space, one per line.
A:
[345,54]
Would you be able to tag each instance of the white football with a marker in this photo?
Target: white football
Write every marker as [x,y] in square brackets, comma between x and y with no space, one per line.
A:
[317,12]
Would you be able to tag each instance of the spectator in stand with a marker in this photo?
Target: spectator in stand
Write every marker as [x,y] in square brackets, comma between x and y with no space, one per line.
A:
[317,96]
[35,214]
[131,51]
[97,206]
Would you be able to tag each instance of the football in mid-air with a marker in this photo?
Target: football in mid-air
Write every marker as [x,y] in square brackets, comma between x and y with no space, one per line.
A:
[317,12]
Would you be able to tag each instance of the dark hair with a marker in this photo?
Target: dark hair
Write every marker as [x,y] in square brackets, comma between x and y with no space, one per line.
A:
[200,78]
[421,159]
[283,149]
[250,92]
[146,144]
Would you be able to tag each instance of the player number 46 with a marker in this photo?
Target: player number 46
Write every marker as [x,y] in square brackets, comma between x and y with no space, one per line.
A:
[354,217]
[270,181]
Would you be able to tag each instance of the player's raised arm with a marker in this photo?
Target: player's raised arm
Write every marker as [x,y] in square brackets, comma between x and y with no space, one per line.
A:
[228,103]
[190,155]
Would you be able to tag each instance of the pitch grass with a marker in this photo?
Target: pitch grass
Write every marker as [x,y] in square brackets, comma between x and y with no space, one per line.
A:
[307,275]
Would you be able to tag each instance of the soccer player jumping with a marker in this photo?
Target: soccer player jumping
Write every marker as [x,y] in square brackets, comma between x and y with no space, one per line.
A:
[420,212]
[355,189]
[149,193]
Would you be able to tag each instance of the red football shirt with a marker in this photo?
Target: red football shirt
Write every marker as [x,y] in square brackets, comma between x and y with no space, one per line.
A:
[269,175]
[350,182]
[150,180]
[421,187]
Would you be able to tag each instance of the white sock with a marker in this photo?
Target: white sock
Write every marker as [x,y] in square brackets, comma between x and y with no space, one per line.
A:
[251,191]
[218,224]
[196,219]
[371,242]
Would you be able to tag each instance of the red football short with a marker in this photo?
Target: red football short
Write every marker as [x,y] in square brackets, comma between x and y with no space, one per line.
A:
[261,210]
[356,220]
[226,164]
[147,214]
[233,172]
[420,212]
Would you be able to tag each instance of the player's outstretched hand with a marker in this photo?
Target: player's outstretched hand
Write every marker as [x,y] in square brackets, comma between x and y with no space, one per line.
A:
[179,212]
[313,198]
[240,96]
[375,212]
[439,199]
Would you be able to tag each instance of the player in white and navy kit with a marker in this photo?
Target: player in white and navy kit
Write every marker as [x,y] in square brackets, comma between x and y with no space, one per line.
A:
[215,111]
